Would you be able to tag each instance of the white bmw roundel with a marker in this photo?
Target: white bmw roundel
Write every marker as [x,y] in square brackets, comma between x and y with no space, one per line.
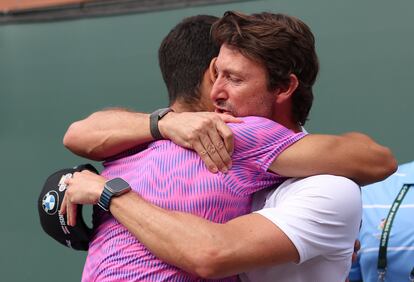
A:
[50,202]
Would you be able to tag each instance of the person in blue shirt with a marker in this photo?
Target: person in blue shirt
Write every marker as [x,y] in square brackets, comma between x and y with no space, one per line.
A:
[397,262]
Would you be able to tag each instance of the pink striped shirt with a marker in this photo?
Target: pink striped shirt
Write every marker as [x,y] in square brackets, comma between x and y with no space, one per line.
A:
[176,179]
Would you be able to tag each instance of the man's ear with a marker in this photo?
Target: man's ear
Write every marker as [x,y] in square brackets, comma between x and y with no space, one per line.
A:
[212,69]
[284,93]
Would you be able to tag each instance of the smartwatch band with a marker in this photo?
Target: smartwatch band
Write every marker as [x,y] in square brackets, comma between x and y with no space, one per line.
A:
[155,117]
[105,199]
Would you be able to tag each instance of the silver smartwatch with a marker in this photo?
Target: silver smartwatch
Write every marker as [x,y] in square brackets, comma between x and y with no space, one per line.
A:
[113,188]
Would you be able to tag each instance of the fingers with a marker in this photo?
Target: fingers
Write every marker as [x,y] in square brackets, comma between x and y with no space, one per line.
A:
[205,157]
[208,135]
[69,209]
[216,145]
[63,206]
[71,213]
[213,151]
[83,188]
[227,136]
[225,133]
[217,150]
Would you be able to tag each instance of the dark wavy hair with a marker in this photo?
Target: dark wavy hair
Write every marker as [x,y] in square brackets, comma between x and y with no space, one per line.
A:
[184,56]
[283,44]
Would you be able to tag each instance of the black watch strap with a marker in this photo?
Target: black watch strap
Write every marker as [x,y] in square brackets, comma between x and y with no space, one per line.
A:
[105,199]
[155,117]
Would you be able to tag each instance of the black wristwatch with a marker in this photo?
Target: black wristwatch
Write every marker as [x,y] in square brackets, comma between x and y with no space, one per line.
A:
[155,117]
[113,188]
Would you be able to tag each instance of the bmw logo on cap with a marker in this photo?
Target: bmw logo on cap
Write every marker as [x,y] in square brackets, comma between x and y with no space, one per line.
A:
[50,202]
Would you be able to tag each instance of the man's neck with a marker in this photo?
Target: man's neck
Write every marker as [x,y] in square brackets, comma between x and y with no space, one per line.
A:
[287,121]
[180,107]
[282,114]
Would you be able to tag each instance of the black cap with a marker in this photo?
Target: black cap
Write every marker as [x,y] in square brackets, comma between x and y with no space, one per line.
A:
[55,224]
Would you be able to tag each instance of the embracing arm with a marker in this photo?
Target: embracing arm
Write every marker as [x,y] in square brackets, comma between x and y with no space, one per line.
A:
[194,244]
[201,247]
[353,155]
[106,133]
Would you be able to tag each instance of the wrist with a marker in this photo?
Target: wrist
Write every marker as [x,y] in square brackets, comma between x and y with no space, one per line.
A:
[163,124]
[113,188]
[155,118]
[98,191]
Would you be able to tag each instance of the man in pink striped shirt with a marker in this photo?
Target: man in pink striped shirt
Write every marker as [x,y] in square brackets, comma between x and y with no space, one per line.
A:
[176,179]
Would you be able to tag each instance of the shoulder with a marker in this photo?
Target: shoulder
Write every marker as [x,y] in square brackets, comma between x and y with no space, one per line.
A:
[327,182]
[326,185]
[320,214]
[248,120]
[259,131]
[255,123]
[327,196]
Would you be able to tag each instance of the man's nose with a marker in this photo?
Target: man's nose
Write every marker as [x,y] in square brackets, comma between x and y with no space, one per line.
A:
[218,91]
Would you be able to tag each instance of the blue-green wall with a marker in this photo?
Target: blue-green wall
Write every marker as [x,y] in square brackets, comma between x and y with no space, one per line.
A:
[54,73]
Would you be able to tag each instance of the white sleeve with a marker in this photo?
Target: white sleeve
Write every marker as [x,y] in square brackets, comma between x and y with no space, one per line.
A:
[321,214]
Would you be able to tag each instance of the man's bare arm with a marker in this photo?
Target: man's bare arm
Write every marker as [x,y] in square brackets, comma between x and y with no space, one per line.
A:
[352,155]
[106,133]
[194,244]
[201,247]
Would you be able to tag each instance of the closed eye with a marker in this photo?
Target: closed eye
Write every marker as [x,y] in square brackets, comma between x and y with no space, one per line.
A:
[234,79]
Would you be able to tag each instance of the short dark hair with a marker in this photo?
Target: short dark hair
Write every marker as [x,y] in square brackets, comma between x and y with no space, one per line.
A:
[184,56]
[283,44]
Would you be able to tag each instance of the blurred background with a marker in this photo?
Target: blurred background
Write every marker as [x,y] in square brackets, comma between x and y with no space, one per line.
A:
[62,60]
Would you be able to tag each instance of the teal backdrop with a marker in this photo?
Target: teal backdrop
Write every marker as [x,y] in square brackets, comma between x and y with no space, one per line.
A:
[54,73]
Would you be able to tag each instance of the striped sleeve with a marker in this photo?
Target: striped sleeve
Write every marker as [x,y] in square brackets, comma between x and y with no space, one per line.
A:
[258,141]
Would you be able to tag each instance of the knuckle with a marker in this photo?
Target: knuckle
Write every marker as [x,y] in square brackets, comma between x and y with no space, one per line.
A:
[197,130]
[191,136]
[220,145]
[215,118]
[68,194]
[211,149]
[207,122]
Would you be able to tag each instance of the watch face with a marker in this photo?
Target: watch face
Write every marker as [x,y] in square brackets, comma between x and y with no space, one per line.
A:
[117,185]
